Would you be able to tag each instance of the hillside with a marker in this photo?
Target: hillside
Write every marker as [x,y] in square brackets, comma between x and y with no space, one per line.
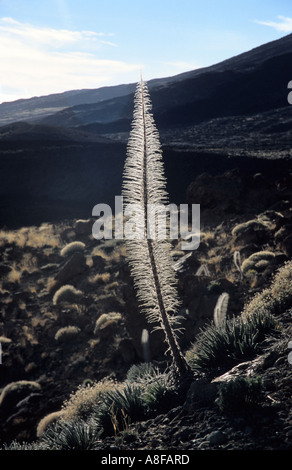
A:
[40,107]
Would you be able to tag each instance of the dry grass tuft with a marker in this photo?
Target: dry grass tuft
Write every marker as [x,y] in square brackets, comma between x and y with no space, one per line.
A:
[102,278]
[72,247]
[276,298]
[67,294]
[82,402]
[67,333]
[47,421]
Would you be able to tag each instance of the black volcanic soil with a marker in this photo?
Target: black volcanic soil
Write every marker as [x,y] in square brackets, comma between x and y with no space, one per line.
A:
[31,262]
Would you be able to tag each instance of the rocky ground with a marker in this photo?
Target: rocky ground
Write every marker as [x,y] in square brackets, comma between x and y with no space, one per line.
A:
[38,347]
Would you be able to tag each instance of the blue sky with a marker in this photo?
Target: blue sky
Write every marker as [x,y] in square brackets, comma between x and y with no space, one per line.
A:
[51,46]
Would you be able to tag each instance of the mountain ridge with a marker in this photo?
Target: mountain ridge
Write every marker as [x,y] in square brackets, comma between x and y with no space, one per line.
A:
[46,105]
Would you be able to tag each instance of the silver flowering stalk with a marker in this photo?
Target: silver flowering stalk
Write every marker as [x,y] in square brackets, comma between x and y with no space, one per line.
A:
[149,251]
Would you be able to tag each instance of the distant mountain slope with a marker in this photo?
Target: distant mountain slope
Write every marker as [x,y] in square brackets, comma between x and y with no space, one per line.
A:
[206,95]
[39,107]
[229,82]
[31,132]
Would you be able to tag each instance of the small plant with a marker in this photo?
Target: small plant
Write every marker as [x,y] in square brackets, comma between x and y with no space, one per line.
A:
[47,421]
[251,225]
[18,389]
[85,399]
[77,435]
[257,261]
[72,248]
[160,394]
[159,389]
[274,299]
[30,446]
[240,394]
[234,341]
[111,318]
[100,278]
[146,392]
[67,294]
[14,275]
[141,372]
[118,404]
[67,333]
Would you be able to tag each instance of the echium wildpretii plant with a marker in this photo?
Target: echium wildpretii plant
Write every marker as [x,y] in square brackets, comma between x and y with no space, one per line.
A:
[144,187]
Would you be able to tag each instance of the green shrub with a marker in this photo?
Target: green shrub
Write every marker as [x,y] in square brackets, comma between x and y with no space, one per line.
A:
[239,338]
[72,248]
[235,341]
[77,435]
[159,389]
[240,394]
[141,372]
[119,408]
[160,394]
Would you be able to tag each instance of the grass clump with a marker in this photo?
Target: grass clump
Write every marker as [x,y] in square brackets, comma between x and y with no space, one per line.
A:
[236,340]
[67,294]
[72,247]
[141,372]
[100,278]
[85,399]
[258,261]
[77,435]
[67,333]
[160,394]
[115,406]
[15,445]
[251,225]
[18,389]
[106,319]
[159,389]
[120,407]
[276,298]
[47,421]
[240,394]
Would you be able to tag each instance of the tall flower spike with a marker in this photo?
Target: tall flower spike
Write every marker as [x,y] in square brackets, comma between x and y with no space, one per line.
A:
[144,187]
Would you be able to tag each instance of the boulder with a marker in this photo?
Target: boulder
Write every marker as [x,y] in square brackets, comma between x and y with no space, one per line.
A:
[5,269]
[286,245]
[98,263]
[73,267]
[83,227]
[201,392]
